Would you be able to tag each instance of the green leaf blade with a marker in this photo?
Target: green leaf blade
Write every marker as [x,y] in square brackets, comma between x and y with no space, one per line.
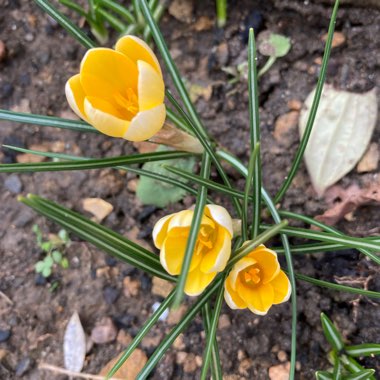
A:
[331,333]
[366,349]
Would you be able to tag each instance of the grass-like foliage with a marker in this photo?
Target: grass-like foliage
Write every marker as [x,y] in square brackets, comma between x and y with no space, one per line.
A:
[246,240]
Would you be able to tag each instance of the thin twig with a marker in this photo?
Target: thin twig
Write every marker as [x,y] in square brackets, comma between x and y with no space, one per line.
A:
[63,371]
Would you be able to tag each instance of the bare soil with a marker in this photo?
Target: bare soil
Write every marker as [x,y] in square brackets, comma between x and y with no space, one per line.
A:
[41,57]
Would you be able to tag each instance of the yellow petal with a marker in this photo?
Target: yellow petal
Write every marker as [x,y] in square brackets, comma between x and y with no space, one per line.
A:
[75,96]
[136,49]
[221,216]
[100,114]
[197,282]
[146,124]
[216,259]
[172,253]
[259,299]
[282,288]
[238,267]
[151,88]
[231,297]
[267,262]
[181,219]
[105,72]
[160,230]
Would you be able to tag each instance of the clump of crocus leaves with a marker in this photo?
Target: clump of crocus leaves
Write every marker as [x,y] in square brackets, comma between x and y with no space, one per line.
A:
[207,251]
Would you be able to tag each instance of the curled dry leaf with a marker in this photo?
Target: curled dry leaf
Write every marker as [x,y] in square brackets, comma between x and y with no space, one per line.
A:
[344,201]
[74,344]
[342,130]
[175,138]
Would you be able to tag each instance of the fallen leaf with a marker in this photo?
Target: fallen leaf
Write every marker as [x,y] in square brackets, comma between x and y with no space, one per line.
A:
[342,130]
[97,207]
[131,367]
[74,344]
[345,201]
[370,159]
[104,332]
[153,192]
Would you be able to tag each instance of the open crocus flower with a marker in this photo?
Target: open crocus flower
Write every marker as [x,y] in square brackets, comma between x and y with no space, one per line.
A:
[212,250]
[257,282]
[120,92]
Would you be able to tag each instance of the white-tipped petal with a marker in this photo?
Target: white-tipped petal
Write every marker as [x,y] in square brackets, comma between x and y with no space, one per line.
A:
[150,87]
[221,216]
[75,96]
[136,49]
[216,259]
[100,115]
[160,230]
[146,124]
[229,301]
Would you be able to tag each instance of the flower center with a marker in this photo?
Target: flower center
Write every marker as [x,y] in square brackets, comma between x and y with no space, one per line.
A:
[205,240]
[251,276]
[128,102]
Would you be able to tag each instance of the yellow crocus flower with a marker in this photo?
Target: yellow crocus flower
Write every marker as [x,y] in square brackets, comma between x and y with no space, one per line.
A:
[212,250]
[120,92]
[257,282]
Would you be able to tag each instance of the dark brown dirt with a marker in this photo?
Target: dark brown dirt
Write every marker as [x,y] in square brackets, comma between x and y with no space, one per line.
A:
[40,58]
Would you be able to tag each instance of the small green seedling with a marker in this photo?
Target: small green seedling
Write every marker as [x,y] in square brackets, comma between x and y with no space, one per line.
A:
[269,44]
[342,357]
[273,46]
[54,249]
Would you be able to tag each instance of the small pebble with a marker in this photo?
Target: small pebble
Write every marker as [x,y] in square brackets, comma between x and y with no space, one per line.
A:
[3,51]
[13,184]
[29,37]
[24,80]
[9,154]
[23,218]
[23,366]
[44,57]
[104,332]
[6,90]
[40,280]
[110,294]
[4,335]
[253,20]
[146,212]
[111,261]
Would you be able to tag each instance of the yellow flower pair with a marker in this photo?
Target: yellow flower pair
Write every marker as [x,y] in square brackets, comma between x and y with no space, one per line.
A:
[255,282]
[120,92]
